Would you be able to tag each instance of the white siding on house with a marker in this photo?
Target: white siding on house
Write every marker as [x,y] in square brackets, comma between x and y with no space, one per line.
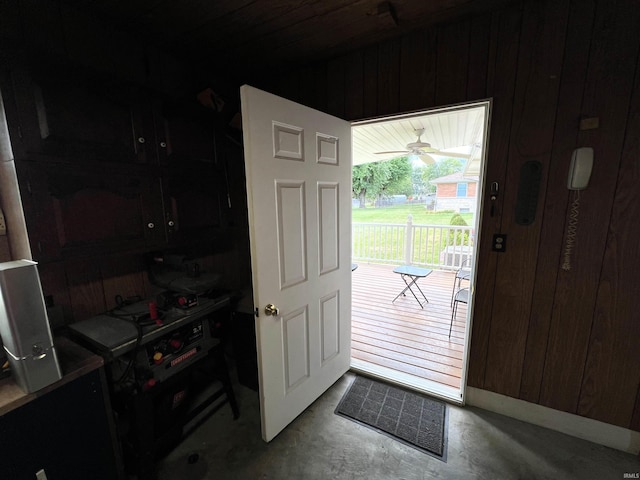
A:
[462,204]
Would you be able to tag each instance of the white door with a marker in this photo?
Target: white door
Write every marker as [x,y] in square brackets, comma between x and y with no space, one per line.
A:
[298,169]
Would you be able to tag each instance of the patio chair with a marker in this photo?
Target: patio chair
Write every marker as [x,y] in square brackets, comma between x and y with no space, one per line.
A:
[461,296]
[463,273]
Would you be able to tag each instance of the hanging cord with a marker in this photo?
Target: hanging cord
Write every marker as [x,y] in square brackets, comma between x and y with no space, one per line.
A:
[571,230]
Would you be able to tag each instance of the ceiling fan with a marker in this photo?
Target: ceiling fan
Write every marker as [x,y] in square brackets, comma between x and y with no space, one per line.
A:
[423,149]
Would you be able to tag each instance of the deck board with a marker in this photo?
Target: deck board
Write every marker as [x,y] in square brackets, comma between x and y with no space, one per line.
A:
[401,335]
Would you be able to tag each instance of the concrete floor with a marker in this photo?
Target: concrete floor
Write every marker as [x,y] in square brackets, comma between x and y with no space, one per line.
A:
[322,445]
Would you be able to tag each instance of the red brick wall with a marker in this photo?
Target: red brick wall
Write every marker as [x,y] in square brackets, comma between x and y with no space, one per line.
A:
[449,190]
[471,189]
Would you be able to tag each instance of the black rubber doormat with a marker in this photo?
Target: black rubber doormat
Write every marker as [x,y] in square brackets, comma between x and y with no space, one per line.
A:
[408,417]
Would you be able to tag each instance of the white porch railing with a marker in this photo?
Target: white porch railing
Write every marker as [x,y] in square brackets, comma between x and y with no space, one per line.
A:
[443,247]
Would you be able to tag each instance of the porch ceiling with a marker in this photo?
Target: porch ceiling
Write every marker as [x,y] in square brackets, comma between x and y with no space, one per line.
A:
[454,131]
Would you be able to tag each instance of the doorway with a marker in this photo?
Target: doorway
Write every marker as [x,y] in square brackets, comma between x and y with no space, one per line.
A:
[431,223]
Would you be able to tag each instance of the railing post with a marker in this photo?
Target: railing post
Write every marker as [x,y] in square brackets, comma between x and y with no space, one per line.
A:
[408,241]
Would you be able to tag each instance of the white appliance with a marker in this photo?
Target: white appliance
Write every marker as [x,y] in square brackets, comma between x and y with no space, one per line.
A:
[24,327]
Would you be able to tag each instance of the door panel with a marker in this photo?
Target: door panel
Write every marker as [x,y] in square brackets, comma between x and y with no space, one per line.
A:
[296,347]
[292,254]
[328,225]
[330,325]
[298,164]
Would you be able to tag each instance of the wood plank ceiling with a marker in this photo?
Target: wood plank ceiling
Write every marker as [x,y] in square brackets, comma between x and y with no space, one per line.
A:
[244,36]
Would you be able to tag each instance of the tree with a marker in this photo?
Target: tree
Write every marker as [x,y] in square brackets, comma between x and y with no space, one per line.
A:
[368,180]
[373,180]
[420,185]
[399,182]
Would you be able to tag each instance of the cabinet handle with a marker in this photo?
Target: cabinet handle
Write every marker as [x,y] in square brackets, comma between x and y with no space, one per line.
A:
[141,140]
[171,223]
[150,225]
[163,144]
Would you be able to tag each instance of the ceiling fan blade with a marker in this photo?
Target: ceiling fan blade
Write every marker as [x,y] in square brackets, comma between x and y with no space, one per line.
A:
[447,154]
[427,159]
[393,151]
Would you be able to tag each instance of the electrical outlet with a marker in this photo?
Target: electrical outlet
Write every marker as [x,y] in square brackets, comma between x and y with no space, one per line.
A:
[41,475]
[499,242]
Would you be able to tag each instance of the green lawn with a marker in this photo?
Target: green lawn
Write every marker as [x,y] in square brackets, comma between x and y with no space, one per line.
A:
[399,213]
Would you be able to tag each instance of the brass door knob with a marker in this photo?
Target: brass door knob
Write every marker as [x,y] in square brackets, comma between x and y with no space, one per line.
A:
[271,309]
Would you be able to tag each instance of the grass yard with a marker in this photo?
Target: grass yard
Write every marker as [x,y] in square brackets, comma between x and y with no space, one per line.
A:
[398,214]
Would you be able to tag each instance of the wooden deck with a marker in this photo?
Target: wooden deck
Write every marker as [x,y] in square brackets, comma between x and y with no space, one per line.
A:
[401,335]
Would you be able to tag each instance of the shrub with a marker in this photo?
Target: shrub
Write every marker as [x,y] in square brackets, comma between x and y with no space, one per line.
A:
[458,220]
[457,237]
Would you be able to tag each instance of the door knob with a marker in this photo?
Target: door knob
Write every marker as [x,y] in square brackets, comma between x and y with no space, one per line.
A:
[271,309]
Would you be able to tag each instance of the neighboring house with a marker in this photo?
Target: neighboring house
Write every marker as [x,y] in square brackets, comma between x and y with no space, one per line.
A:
[456,192]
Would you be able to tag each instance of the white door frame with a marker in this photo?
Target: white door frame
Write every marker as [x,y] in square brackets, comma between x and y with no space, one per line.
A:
[435,389]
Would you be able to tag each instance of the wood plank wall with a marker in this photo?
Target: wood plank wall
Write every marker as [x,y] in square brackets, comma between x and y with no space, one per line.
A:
[564,339]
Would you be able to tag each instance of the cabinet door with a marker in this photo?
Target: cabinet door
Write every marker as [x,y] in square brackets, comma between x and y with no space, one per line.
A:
[194,195]
[90,210]
[186,133]
[79,117]
[38,212]
[65,432]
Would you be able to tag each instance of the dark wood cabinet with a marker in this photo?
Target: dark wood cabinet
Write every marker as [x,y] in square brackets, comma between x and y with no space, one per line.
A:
[194,173]
[107,167]
[65,430]
[186,132]
[72,210]
[195,198]
[82,118]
